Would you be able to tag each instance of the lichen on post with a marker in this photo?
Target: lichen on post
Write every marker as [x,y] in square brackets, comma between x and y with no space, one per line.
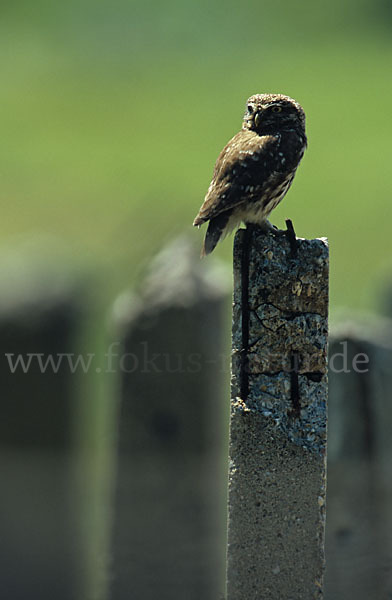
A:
[278,418]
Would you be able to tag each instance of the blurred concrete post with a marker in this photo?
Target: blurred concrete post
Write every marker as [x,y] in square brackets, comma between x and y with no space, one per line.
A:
[40,310]
[168,538]
[359,523]
[278,418]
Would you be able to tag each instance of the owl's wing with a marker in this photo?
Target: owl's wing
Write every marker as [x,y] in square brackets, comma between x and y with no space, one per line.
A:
[242,172]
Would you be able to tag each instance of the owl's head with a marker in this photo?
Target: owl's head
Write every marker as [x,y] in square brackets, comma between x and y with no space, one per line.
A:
[267,113]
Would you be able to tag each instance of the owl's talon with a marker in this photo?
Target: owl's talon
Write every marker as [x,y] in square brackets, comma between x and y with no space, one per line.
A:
[278,232]
[266,227]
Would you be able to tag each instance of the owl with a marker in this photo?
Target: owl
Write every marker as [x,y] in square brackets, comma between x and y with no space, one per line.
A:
[256,168]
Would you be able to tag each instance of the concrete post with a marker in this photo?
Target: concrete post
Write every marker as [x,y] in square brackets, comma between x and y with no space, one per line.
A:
[359,524]
[41,552]
[168,538]
[278,418]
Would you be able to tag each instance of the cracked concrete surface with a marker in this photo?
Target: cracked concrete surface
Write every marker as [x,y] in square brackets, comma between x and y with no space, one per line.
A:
[278,431]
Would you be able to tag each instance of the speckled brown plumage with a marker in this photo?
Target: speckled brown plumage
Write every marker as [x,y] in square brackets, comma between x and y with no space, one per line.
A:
[256,168]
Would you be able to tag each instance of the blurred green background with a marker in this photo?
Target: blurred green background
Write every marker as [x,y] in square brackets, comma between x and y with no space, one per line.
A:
[112,115]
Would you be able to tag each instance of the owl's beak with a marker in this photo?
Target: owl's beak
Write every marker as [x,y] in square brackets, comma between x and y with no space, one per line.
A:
[257,119]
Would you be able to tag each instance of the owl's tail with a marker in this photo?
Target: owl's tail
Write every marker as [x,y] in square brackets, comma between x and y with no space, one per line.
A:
[216,228]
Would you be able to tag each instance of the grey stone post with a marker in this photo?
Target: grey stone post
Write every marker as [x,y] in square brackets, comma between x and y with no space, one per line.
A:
[359,524]
[41,552]
[278,418]
[168,537]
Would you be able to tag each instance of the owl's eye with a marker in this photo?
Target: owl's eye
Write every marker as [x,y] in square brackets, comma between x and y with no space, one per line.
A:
[250,109]
[276,109]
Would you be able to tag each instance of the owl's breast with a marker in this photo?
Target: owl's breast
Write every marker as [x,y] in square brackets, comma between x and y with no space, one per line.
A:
[291,149]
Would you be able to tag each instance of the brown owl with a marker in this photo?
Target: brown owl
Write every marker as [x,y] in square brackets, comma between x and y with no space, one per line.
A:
[256,168]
